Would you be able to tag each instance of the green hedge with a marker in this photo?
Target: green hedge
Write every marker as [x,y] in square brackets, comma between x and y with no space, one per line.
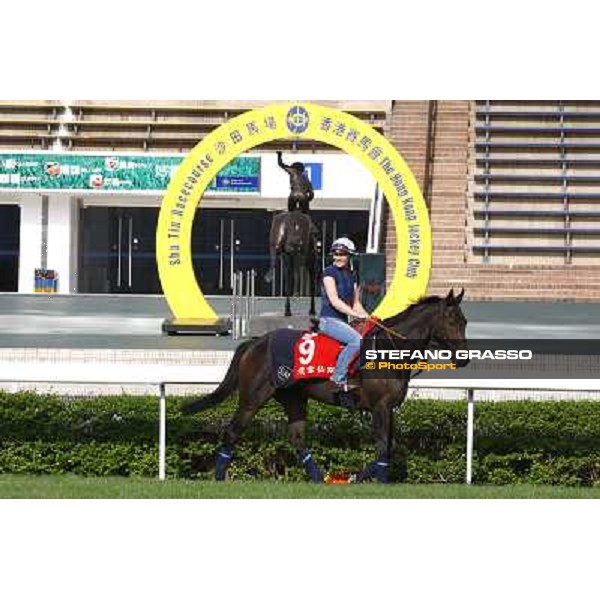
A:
[535,442]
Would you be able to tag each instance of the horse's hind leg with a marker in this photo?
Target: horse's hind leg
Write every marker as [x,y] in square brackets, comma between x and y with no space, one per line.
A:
[294,403]
[252,397]
[383,430]
[289,283]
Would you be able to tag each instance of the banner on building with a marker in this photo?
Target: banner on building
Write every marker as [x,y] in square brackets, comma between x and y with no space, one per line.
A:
[64,171]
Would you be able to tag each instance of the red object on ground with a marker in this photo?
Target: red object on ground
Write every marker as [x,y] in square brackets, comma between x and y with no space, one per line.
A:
[337,479]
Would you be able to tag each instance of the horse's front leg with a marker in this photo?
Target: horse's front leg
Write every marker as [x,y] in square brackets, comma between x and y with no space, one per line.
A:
[270,275]
[383,432]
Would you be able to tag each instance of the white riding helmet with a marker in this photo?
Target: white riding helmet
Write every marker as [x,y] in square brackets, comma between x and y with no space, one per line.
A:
[344,243]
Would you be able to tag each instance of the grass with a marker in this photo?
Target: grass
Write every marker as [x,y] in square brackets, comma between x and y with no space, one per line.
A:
[71,486]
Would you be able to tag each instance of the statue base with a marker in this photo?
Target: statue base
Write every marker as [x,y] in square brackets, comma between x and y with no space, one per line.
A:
[196,326]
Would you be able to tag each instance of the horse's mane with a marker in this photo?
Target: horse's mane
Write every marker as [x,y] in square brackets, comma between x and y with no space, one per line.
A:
[407,312]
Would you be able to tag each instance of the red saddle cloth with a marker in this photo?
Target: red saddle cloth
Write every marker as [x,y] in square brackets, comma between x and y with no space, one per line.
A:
[315,354]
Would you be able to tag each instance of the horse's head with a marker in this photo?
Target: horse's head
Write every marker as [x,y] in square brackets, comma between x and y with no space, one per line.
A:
[449,328]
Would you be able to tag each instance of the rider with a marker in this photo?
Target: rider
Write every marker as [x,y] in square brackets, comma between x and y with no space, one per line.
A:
[339,300]
[301,192]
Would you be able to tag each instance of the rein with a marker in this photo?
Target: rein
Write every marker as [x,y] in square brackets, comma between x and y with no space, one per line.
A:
[388,330]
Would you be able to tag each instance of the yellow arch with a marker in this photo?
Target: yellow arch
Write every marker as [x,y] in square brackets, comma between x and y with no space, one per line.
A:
[291,121]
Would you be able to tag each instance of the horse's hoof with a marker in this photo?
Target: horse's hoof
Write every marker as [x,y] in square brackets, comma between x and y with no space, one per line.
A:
[377,470]
[383,478]
[382,473]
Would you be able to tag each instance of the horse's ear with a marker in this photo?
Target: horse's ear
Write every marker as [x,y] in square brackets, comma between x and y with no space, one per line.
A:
[450,297]
[459,298]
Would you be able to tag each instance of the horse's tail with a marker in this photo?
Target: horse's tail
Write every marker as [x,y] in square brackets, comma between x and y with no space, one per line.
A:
[225,388]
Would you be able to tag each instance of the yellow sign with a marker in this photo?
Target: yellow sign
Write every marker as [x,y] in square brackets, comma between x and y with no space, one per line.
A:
[300,121]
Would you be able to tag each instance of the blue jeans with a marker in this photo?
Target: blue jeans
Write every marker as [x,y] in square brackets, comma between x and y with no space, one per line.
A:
[342,332]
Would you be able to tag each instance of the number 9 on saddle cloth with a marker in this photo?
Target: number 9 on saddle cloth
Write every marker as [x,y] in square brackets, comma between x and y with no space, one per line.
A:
[296,355]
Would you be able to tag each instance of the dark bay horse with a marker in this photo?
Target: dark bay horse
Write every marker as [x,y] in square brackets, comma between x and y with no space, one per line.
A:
[432,321]
[293,238]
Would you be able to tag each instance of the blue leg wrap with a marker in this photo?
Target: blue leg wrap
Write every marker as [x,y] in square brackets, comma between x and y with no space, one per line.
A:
[378,468]
[383,472]
[224,458]
[310,466]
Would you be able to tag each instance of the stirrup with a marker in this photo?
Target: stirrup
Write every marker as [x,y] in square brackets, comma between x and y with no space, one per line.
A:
[345,387]
[346,398]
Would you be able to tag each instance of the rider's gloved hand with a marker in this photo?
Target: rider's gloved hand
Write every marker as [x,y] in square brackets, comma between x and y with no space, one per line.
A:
[363,315]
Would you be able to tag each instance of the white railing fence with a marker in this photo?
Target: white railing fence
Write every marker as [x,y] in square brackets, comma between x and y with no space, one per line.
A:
[205,376]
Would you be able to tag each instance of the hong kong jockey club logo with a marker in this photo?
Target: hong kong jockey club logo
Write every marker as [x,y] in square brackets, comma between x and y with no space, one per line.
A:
[283,373]
[297,119]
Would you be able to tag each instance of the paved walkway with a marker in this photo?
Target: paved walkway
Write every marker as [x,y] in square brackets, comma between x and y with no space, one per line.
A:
[134,322]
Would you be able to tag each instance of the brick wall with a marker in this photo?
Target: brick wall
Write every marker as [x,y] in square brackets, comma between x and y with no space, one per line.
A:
[448,191]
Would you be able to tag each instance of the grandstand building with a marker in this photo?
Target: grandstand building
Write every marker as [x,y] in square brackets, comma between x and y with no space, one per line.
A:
[512,188]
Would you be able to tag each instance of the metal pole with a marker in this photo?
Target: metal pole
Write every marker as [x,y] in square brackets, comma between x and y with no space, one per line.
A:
[247,301]
[253,294]
[242,304]
[237,307]
[470,420]
[233,307]
[323,247]
[371,228]
[231,251]
[162,434]
[221,252]
[119,249]
[130,255]
[240,276]
[378,215]
[240,289]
